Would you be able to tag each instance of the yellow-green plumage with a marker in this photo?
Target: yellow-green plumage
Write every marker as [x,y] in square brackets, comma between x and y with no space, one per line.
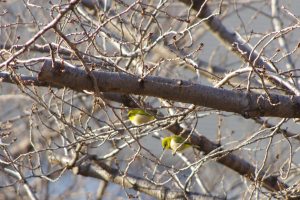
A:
[140,116]
[174,141]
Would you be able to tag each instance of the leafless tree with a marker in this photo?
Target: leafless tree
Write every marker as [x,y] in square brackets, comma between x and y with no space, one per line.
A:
[222,73]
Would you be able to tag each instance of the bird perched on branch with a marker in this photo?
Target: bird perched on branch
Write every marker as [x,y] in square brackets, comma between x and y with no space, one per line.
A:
[140,116]
[174,141]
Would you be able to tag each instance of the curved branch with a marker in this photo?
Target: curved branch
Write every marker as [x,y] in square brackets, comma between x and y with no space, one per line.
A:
[102,171]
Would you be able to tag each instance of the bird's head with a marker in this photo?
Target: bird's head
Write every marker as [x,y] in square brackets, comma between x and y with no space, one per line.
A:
[132,114]
[166,142]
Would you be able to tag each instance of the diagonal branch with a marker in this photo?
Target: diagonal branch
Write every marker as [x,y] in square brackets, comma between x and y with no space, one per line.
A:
[215,26]
[102,171]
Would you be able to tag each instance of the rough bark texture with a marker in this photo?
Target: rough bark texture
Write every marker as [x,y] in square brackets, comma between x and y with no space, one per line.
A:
[246,104]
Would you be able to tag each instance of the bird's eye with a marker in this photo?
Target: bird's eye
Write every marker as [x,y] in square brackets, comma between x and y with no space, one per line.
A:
[130,115]
[166,144]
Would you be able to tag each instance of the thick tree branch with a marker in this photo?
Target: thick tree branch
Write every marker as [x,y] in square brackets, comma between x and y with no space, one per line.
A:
[246,104]
[26,80]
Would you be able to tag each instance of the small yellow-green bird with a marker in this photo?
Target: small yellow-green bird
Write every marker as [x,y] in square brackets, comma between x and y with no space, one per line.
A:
[140,116]
[174,141]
